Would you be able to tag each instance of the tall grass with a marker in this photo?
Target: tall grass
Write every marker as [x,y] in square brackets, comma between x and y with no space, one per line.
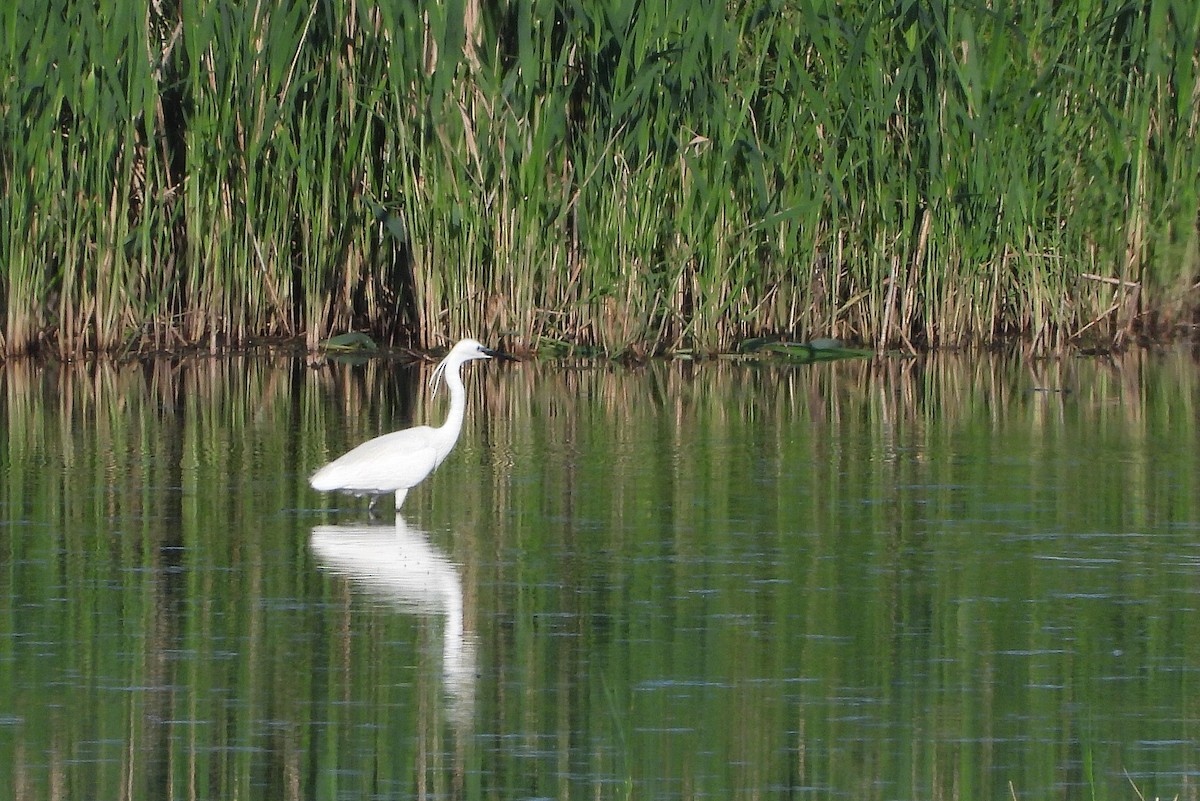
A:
[612,175]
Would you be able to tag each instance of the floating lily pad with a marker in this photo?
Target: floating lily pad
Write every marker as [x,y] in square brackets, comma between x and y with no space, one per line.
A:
[816,350]
[352,341]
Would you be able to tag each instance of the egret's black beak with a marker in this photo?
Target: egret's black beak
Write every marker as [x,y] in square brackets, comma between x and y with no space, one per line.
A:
[496,354]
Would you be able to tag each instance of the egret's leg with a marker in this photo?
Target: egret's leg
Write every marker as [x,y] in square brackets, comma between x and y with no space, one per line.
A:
[400,493]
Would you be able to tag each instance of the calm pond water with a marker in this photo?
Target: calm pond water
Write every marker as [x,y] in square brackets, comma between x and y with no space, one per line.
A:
[905,579]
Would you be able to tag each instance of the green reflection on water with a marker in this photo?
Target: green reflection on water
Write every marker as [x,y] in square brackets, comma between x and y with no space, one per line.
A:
[865,580]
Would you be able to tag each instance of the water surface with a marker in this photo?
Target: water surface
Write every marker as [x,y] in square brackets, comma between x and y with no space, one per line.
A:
[902,579]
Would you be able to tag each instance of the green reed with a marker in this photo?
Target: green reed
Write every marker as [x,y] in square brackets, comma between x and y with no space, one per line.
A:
[605,175]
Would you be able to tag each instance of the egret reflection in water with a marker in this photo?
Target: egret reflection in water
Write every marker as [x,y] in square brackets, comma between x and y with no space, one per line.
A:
[399,564]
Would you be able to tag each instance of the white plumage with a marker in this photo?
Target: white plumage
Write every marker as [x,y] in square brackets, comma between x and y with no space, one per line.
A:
[398,461]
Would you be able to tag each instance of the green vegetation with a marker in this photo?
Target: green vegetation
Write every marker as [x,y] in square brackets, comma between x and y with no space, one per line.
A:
[606,175]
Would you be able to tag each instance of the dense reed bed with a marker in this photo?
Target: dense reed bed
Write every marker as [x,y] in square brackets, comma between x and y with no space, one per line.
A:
[612,175]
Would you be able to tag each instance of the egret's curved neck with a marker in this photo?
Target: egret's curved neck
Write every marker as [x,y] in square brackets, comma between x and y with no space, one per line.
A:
[458,403]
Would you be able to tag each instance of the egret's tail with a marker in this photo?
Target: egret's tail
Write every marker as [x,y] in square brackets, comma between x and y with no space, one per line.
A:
[324,480]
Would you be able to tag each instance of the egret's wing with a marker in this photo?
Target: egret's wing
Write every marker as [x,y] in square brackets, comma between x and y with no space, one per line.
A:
[384,464]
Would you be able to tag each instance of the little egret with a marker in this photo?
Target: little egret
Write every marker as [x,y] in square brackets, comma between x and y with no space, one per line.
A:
[398,461]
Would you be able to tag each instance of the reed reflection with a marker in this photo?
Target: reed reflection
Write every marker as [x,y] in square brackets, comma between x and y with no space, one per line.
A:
[400,565]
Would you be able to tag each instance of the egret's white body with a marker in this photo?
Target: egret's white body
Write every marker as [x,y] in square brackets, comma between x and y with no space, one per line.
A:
[398,461]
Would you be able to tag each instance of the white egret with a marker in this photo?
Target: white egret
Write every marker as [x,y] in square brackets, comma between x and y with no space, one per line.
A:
[398,461]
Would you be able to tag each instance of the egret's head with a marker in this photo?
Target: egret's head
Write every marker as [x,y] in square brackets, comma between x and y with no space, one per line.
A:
[469,349]
[466,350]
